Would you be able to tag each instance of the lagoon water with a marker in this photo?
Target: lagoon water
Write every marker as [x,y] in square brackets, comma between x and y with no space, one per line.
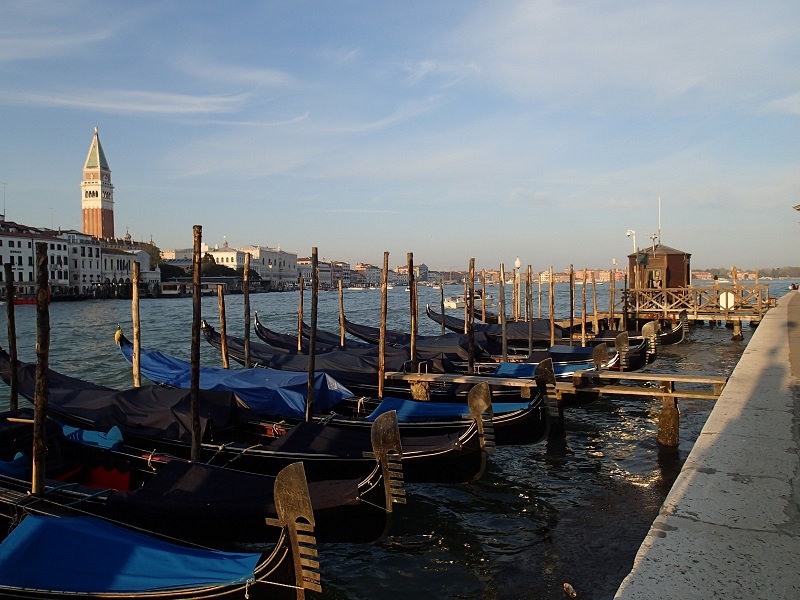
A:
[572,510]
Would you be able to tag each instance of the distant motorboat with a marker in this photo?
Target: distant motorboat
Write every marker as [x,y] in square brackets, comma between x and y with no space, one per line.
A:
[460,301]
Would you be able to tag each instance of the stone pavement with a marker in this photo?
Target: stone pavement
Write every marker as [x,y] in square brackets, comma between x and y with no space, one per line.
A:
[730,526]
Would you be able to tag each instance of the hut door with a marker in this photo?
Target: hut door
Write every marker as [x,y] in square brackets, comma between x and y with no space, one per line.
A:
[656,275]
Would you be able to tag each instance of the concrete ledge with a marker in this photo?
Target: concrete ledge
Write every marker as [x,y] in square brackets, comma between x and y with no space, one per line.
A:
[730,526]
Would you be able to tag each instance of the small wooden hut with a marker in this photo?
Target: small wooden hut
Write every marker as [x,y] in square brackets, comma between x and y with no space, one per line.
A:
[659,266]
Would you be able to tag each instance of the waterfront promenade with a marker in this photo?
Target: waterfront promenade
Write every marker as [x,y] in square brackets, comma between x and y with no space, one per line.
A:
[730,526]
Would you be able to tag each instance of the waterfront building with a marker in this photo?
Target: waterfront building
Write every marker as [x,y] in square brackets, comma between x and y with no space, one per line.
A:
[97,193]
[277,268]
[324,273]
[227,256]
[18,247]
[370,274]
[420,272]
[84,258]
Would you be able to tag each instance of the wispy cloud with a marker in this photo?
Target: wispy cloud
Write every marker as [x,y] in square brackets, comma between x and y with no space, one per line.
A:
[206,69]
[789,105]
[406,112]
[31,47]
[130,101]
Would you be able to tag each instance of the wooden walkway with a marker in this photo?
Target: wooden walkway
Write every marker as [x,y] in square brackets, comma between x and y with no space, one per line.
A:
[591,380]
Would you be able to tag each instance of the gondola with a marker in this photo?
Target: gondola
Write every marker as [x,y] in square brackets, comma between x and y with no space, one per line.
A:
[56,555]
[356,369]
[663,337]
[566,359]
[517,332]
[454,346]
[233,435]
[170,496]
[280,394]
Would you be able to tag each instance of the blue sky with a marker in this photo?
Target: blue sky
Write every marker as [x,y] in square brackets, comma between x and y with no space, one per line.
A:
[452,129]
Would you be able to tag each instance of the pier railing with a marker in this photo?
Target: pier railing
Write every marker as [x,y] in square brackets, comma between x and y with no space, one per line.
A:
[739,301]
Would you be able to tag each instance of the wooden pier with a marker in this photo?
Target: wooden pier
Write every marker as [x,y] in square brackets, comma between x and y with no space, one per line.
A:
[589,382]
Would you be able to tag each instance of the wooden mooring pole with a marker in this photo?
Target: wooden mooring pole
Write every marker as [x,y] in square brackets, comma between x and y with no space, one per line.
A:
[441,304]
[552,307]
[137,330]
[13,398]
[471,321]
[300,317]
[223,327]
[413,302]
[341,315]
[583,311]
[571,304]
[483,295]
[312,337]
[529,308]
[194,390]
[41,386]
[501,304]
[246,292]
[384,314]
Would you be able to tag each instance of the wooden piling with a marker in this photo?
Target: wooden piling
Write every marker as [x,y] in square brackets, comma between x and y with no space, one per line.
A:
[483,296]
[471,321]
[595,325]
[137,332]
[501,305]
[412,302]
[384,314]
[41,386]
[341,315]
[223,327]
[300,317]
[441,304]
[539,294]
[583,311]
[529,308]
[571,303]
[514,295]
[611,294]
[194,389]
[668,421]
[13,398]
[312,338]
[552,308]
[737,331]
[246,292]
[466,305]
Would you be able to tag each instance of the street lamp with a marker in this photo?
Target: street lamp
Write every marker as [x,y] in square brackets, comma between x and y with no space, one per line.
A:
[632,233]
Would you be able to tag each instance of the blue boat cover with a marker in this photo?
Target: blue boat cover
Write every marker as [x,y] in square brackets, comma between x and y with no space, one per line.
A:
[528,370]
[409,411]
[268,392]
[85,554]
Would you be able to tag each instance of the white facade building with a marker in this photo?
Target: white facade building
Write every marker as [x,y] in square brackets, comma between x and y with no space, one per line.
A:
[85,268]
[18,247]
[275,266]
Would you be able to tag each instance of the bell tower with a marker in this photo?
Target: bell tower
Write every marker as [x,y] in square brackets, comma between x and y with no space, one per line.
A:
[97,199]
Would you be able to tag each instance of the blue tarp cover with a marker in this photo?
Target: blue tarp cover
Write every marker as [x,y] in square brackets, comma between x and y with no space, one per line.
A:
[528,370]
[84,554]
[412,410]
[268,392]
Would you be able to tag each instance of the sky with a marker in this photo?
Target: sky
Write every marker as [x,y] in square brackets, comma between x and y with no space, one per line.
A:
[453,129]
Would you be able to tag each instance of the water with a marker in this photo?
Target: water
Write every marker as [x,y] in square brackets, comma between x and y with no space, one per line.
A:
[572,511]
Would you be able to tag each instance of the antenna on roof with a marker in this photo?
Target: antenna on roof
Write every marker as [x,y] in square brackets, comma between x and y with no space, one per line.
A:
[659,219]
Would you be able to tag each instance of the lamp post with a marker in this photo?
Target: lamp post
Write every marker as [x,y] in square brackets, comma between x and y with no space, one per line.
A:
[632,233]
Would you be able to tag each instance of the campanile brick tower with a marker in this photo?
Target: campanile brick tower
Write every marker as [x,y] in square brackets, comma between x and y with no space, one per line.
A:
[97,199]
